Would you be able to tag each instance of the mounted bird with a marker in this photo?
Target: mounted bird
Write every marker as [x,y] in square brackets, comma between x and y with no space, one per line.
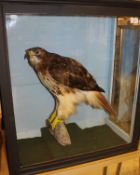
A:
[70,84]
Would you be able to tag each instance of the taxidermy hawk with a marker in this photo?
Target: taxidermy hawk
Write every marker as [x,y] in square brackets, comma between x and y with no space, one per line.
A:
[70,84]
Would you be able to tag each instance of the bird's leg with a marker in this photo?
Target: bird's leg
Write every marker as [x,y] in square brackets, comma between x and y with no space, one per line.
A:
[54,120]
[57,127]
[52,117]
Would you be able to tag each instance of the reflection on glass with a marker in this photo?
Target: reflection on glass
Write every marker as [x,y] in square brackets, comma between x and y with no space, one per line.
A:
[101,45]
[125,70]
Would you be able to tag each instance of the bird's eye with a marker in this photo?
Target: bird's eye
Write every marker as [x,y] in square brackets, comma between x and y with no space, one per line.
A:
[37,52]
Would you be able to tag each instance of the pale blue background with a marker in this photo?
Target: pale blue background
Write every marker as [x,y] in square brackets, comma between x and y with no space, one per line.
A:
[87,39]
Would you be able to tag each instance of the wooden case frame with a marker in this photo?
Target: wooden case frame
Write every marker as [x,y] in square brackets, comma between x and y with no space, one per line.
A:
[67,7]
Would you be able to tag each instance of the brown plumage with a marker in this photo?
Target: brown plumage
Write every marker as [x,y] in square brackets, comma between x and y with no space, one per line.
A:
[68,81]
[64,70]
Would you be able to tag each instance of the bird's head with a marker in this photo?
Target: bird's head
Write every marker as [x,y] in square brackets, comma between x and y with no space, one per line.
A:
[35,56]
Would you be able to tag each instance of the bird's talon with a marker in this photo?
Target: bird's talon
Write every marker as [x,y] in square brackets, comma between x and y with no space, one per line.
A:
[55,122]
[52,117]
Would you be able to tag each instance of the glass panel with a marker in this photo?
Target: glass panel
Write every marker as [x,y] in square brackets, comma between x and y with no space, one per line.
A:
[125,69]
[48,126]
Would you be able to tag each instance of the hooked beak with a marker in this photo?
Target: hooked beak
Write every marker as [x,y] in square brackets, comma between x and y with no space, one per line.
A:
[28,54]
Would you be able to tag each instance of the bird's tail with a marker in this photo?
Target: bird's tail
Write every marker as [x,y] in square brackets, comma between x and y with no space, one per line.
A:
[98,100]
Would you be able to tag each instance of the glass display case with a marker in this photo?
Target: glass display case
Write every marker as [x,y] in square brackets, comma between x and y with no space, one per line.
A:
[69,81]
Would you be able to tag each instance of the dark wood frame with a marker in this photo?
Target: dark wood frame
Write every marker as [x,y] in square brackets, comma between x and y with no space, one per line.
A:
[66,7]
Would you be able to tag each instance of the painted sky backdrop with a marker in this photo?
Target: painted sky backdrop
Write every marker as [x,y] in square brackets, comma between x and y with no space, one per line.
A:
[89,40]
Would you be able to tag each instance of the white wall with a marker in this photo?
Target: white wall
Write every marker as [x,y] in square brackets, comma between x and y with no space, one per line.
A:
[87,39]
